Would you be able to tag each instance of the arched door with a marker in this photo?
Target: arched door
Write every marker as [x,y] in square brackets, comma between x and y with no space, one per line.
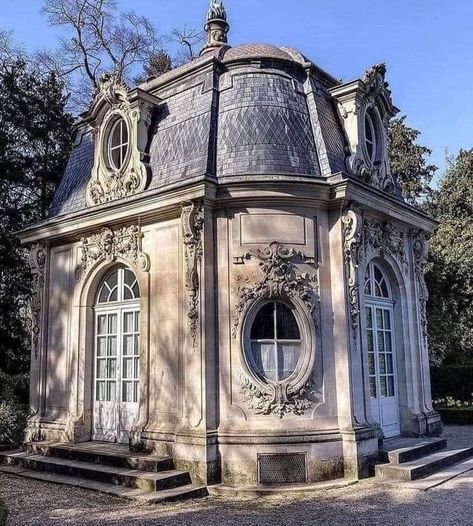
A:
[116,363]
[381,347]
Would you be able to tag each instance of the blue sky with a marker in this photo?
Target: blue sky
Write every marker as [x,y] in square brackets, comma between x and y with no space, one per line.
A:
[427,45]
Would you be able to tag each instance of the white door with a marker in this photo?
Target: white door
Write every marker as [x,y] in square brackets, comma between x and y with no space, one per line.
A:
[382,360]
[116,385]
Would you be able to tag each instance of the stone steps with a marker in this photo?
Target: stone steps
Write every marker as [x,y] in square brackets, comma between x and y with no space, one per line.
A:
[107,468]
[424,466]
[401,450]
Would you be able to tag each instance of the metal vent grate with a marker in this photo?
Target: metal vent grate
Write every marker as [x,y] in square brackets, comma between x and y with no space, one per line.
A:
[282,468]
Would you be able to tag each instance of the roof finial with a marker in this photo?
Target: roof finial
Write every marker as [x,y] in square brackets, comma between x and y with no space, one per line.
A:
[216,27]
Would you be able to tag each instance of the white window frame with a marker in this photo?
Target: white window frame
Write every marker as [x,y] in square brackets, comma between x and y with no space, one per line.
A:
[123,146]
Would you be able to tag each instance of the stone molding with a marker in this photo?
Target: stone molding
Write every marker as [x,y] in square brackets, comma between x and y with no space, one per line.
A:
[363,239]
[192,221]
[369,94]
[279,399]
[108,245]
[278,279]
[114,101]
[37,260]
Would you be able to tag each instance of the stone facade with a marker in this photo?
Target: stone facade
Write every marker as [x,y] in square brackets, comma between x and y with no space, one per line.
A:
[249,177]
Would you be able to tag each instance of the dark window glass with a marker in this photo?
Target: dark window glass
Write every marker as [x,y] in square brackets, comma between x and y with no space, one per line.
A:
[287,328]
[263,324]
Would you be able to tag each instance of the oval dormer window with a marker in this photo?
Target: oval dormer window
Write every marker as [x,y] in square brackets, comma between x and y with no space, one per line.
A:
[275,345]
[118,143]
[370,137]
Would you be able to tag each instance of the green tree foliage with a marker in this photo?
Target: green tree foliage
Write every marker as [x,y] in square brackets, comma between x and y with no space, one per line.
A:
[35,135]
[450,271]
[409,161]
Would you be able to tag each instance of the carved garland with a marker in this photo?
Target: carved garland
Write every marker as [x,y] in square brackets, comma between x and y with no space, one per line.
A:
[192,220]
[37,259]
[110,244]
[279,280]
[420,252]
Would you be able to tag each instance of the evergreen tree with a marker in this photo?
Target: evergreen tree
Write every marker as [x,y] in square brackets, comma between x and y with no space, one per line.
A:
[450,271]
[35,132]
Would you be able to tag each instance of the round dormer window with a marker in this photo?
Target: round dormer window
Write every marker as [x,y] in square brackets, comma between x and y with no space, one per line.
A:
[370,137]
[275,345]
[118,143]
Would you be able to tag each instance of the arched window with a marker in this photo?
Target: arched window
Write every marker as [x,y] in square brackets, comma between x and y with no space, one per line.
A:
[117,356]
[275,343]
[381,352]
[118,144]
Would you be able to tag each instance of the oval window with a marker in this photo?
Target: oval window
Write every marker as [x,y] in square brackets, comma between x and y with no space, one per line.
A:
[275,342]
[118,144]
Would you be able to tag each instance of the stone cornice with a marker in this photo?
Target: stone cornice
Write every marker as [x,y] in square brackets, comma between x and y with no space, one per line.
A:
[287,191]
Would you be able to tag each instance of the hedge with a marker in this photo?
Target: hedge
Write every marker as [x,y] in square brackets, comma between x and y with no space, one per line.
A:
[454,416]
[452,380]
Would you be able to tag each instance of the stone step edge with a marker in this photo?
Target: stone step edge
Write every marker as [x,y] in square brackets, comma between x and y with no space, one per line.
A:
[168,495]
[441,460]
[411,453]
[150,479]
[140,462]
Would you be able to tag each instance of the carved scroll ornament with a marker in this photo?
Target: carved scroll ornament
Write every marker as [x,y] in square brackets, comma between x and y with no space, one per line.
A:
[192,220]
[110,244]
[37,259]
[420,252]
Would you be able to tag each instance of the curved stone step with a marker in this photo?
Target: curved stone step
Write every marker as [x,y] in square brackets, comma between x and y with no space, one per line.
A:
[131,478]
[188,491]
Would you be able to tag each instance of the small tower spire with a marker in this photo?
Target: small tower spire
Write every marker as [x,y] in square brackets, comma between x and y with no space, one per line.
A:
[216,27]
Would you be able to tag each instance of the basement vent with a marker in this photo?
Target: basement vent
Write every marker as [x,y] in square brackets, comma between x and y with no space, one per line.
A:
[282,468]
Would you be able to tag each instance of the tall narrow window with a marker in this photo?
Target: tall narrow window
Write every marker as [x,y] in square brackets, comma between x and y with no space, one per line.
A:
[118,144]
[370,137]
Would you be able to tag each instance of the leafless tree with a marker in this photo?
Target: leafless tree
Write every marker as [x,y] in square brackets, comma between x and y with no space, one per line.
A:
[97,38]
[10,51]
[189,41]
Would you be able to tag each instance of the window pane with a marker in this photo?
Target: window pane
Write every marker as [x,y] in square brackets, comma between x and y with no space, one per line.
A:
[371,365]
[137,347]
[111,391]
[369,317]
[263,324]
[112,280]
[104,292]
[380,341]
[387,319]
[136,290]
[373,387]
[100,392]
[112,324]
[137,321]
[289,354]
[127,391]
[112,346]
[102,346]
[387,336]
[370,340]
[116,158]
[111,368]
[389,363]
[114,295]
[128,345]
[129,277]
[264,356]
[102,325]
[124,130]
[383,386]
[379,319]
[382,363]
[128,321]
[391,386]
[286,324]
[101,369]
[137,368]
[135,391]
[127,293]
[378,275]
[128,368]
[384,289]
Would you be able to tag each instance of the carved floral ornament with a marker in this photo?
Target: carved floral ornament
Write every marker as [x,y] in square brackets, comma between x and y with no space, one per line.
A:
[192,221]
[363,239]
[108,245]
[420,252]
[114,102]
[277,279]
[37,259]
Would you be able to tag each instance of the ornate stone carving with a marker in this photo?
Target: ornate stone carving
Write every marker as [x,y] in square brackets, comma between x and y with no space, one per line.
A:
[216,26]
[279,280]
[352,228]
[192,220]
[279,399]
[37,259]
[381,237]
[420,253]
[114,101]
[375,81]
[110,244]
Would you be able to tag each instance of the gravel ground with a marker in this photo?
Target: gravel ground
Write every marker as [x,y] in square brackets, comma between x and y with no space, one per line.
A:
[34,503]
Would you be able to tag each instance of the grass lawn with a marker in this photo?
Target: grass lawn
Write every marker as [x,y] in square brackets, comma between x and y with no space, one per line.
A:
[3,513]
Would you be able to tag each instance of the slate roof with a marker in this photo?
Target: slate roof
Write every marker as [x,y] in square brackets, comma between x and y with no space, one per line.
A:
[263,118]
